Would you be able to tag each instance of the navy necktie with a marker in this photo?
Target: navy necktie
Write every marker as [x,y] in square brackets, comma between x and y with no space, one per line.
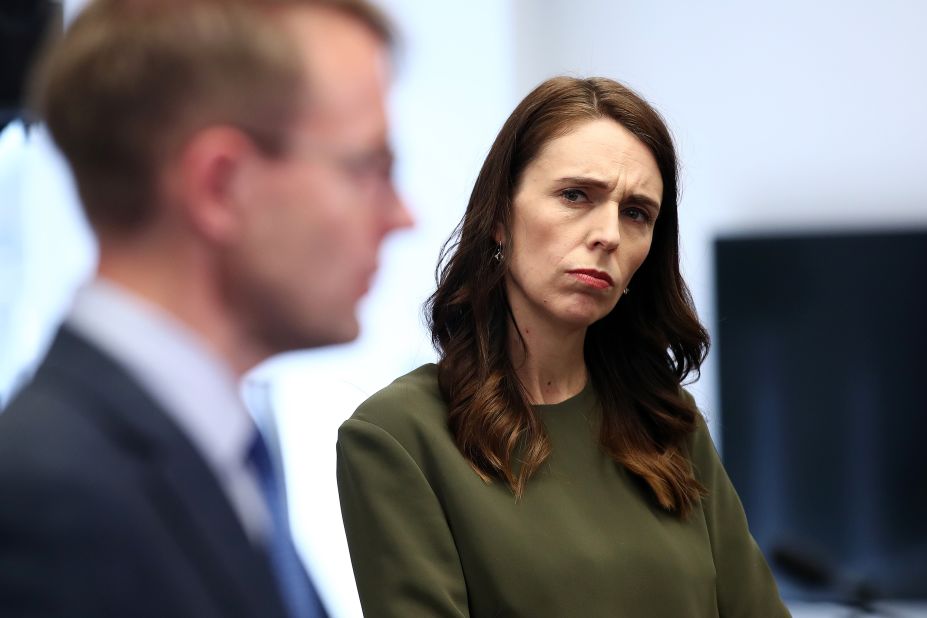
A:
[300,596]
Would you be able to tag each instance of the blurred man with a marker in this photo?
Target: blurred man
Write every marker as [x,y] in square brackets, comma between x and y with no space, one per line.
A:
[232,158]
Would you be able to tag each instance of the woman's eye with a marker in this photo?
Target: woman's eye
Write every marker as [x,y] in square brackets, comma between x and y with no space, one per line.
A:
[573,195]
[637,214]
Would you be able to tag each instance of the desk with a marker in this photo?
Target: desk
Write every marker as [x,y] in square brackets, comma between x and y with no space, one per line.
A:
[883,610]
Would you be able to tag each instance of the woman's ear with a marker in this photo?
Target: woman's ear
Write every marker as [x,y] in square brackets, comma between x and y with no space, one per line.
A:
[498,234]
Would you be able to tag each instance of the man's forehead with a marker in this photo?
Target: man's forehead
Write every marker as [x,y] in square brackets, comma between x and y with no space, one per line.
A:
[346,75]
[342,56]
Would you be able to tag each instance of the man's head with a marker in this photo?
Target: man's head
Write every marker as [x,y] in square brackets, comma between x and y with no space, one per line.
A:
[249,137]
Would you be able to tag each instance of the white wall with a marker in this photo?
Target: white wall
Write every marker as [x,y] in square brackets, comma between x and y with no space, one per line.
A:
[46,249]
[788,114]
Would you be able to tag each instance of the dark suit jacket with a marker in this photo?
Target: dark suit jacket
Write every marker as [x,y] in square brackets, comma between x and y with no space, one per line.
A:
[106,508]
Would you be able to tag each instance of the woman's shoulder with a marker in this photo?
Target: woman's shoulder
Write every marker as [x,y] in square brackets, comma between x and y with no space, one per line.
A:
[702,451]
[410,406]
[701,424]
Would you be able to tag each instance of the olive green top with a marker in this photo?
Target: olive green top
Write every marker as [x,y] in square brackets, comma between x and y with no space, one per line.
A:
[428,537]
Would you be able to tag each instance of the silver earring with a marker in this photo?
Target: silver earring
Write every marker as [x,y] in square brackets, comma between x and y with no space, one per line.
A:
[498,255]
[627,291]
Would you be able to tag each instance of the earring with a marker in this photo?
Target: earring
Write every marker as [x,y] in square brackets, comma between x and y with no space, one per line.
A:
[498,255]
[627,291]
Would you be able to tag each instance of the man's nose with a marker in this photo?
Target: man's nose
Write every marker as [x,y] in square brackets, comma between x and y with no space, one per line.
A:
[397,213]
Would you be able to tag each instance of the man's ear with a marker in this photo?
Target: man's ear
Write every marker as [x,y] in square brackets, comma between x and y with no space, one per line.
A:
[209,174]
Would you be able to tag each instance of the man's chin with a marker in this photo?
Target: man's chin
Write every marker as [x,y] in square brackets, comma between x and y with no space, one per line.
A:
[339,333]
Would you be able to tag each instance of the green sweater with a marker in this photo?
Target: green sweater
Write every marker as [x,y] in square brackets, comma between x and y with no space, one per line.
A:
[428,537]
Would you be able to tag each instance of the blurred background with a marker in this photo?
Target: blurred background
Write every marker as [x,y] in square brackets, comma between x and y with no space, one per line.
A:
[801,130]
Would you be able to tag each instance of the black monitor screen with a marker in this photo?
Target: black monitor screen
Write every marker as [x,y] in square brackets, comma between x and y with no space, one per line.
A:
[822,342]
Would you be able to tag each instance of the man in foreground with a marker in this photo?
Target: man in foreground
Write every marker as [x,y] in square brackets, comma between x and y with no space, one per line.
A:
[232,158]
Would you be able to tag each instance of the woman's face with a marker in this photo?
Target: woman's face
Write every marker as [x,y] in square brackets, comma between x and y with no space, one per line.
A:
[582,223]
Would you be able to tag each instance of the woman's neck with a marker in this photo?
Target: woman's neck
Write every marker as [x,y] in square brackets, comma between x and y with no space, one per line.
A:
[549,364]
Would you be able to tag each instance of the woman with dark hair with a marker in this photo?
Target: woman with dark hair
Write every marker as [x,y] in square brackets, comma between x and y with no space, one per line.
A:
[551,463]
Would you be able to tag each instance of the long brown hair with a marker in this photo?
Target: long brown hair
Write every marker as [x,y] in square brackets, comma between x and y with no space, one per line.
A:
[637,356]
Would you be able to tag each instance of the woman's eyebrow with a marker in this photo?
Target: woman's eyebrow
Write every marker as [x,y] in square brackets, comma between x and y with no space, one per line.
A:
[642,200]
[585,181]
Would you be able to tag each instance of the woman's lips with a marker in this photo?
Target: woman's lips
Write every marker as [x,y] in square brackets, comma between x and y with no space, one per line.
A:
[594,278]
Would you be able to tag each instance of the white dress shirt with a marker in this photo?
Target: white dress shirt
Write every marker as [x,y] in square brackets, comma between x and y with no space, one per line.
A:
[195,387]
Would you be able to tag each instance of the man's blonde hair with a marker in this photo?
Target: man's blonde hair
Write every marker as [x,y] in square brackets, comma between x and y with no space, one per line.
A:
[132,80]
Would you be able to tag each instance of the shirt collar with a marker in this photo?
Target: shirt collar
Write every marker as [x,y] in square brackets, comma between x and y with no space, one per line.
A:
[197,389]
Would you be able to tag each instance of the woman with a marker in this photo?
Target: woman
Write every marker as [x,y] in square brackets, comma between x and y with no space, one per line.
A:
[551,464]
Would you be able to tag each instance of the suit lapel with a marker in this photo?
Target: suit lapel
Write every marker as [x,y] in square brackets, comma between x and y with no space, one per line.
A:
[182,488]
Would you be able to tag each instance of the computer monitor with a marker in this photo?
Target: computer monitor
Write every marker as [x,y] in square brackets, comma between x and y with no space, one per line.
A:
[822,343]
